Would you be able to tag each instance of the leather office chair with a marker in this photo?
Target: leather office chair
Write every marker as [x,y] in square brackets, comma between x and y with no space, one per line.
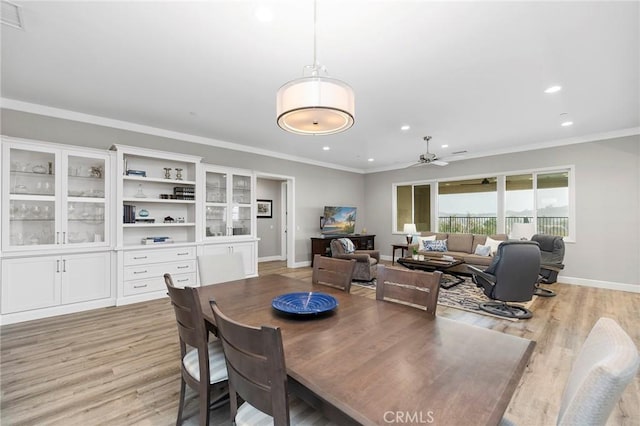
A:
[511,277]
[202,365]
[551,258]
[415,288]
[608,361]
[366,260]
[257,373]
[220,268]
[337,273]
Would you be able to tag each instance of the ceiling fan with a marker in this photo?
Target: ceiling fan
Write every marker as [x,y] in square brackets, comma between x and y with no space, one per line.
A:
[429,158]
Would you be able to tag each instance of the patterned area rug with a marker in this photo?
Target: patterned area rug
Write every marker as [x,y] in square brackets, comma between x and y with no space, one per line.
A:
[465,296]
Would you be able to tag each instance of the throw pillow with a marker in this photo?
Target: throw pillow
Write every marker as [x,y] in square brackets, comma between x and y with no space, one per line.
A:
[493,244]
[347,244]
[435,245]
[421,241]
[483,250]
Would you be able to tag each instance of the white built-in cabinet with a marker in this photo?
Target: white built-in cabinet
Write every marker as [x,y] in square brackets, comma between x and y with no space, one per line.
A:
[229,214]
[56,233]
[158,221]
[87,228]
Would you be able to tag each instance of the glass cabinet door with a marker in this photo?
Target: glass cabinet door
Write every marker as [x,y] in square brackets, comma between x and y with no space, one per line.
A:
[228,204]
[32,197]
[53,196]
[241,211]
[216,205]
[85,200]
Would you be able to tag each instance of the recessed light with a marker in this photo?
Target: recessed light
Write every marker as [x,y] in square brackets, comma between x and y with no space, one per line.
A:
[370,160]
[567,123]
[553,89]
[445,146]
[405,127]
[264,14]
[326,148]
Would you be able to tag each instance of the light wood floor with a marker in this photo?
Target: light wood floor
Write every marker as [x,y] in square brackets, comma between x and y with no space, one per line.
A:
[119,365]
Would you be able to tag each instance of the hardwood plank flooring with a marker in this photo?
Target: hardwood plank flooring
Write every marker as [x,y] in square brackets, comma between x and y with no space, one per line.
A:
[119,365]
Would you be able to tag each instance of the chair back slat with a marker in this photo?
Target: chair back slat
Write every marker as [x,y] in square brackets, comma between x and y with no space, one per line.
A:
[337,273]
[416,288]
[189,319]
[255,364]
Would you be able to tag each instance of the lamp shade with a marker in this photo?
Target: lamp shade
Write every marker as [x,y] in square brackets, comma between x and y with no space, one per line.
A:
[315,105]
[522,231]
[409,228]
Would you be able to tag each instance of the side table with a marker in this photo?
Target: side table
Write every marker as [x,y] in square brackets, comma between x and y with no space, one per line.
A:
[395,247]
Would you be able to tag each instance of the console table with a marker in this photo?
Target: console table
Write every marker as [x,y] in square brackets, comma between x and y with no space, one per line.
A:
[322,246]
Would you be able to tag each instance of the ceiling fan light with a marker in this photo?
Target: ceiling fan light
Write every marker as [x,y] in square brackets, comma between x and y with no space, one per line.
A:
[315,105]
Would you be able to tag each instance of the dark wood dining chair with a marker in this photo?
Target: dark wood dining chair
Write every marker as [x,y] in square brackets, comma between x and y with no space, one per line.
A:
[202,365]
[337,273]
[410,287]
[257,373]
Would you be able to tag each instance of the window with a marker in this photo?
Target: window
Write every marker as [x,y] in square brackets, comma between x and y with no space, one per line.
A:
[489,204]
[413,205]
[468,206]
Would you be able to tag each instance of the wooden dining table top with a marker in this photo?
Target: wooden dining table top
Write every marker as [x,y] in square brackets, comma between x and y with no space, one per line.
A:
[375,362]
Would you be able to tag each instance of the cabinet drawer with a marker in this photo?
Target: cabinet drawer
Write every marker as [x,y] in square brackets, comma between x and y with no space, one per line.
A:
[156,284]
[158,270]
[139,257]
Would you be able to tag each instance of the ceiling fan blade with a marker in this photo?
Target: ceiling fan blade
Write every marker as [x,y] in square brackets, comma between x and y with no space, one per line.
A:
[439,163]
[419,163]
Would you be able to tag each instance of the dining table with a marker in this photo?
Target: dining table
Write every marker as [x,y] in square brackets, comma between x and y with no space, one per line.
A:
[379,362]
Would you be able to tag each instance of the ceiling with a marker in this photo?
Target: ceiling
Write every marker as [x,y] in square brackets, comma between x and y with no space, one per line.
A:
[470,74]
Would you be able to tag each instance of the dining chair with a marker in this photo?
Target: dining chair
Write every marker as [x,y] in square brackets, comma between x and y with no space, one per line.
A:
[220,268]
[258,375]
[410,287]
[332,272]
[202,364]
[607,362]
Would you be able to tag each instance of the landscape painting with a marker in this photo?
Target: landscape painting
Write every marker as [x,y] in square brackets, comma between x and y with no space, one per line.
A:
[339,220]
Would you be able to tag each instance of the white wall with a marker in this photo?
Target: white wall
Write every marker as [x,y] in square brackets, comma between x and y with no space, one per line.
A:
[607,249]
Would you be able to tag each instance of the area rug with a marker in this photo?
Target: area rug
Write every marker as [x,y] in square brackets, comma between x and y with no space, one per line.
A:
[367,284]
[467,296]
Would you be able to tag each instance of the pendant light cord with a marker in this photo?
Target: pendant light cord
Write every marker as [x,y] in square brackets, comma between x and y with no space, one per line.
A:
[315,59]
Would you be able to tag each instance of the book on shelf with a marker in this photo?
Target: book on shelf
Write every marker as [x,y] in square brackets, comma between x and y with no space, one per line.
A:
[129,213]
[156,240]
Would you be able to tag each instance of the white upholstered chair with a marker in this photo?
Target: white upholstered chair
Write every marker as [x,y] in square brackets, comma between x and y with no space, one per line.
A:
[606,364]
[220,268]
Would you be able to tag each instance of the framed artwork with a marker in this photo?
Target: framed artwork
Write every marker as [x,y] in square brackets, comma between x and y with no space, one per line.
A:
[264,209]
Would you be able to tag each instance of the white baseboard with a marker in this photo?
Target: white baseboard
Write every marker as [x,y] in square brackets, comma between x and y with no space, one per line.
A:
[34,314]
[271,258]
[609,285]
[302,264]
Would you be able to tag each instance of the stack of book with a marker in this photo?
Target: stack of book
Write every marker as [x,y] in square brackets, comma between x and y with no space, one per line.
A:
[184,192]
[157,240]
[129,215]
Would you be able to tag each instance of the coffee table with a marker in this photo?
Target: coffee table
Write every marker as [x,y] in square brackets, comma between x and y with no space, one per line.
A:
[434,264]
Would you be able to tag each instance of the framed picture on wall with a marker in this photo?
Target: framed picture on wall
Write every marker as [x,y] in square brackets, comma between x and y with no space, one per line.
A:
[264,209]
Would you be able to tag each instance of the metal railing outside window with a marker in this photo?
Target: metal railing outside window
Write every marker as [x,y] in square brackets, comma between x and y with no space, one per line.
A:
[487,225]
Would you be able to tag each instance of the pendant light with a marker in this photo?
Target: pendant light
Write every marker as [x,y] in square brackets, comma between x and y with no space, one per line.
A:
[315,104]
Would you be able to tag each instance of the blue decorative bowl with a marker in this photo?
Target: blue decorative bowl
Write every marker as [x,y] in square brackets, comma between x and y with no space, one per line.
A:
[304,303]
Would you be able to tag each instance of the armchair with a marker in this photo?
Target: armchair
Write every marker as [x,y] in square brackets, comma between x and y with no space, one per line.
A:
[366,260]
[551,258]
[511,277]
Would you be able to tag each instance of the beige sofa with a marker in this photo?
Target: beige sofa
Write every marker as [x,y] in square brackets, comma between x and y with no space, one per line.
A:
[460,246]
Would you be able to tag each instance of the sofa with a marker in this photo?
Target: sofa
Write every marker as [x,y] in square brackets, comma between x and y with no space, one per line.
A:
[461,246]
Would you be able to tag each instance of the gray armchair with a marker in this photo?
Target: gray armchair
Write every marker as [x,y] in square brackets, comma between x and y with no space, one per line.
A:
[366,260]
[511,277]
[551,258]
